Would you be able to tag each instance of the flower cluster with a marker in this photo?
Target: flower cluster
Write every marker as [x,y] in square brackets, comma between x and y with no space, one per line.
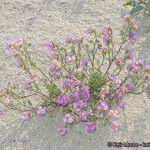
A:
[84,79]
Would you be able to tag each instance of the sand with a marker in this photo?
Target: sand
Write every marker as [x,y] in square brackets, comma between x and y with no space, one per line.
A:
[38,20]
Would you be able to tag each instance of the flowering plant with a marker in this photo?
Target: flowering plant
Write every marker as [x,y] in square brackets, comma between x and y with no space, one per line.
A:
[88,78]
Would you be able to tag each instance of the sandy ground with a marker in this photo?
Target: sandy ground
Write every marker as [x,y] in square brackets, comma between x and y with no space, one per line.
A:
[38,20]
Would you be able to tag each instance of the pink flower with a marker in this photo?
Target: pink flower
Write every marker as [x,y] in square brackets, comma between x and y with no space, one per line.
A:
[68,119]
[103,105]
[80,104]
[7,101]
[106,34]
[13,84]
[19,41]
[63,131]
[19,61]
[90,127]
[118,60]
[147,68]
[78,70]
[113,113]
[68,39]
[1,112]
[83,116]
[50,46]
[116,80]
[8,44]
[85,62]
[3,89]
[26,116]
[41,111]
[148,92]
[27,83]
[148,78]
[79,39]
[121,104]
[90,30]
[63,100]
[74,82]
[115,125]
[127,17]
[104,50]
[76,96]
[132,36]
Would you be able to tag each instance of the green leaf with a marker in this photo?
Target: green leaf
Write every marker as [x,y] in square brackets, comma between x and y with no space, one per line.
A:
[53,90]
[137,9]
[147,30]
[1,95]
[129,3]
[106,121]
[93,118]
[95,82]
[29,103]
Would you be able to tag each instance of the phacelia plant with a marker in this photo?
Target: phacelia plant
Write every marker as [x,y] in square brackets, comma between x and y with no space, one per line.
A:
[88,79]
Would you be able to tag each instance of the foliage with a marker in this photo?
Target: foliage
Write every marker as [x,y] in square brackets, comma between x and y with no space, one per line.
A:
[88,78]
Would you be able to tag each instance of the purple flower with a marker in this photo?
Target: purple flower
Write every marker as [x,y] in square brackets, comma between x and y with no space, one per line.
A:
[147,68]
[83,116]
[65,84]
[41,111]
[74,82]
[103,105]
[70,58]
[111,96]
[115,125]
[80,104]
[7,101]
[26,116]
[27,83]
[121,104]
[68,119]
[90,127]
[76,96]
[116,80]
[8,44]
[113,114]
[104,50]
[63,131]
[63,100]
[129,54]
[19,62]
[128,86]
[13,84]
[148,92]
[68,39]
[85,92]
[85,62]
[50,46]
[106,34]
[54,67]
[3,89]
[134,66]
[78,70]
[132,36]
